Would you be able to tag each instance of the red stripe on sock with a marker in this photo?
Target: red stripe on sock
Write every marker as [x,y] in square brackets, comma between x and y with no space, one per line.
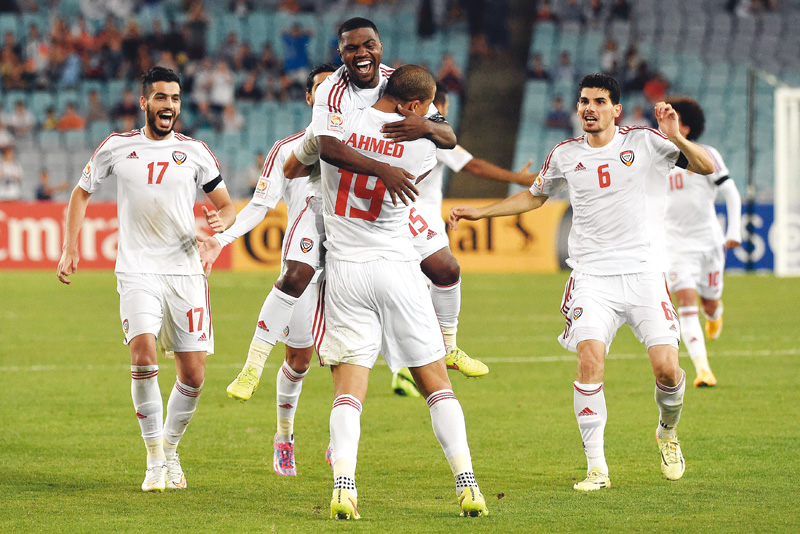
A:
[588,392]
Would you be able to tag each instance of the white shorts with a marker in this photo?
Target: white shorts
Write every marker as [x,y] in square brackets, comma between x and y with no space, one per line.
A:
[305,236]
[701,271]
[376,307]
[428,232]
[595,307]
[174,308]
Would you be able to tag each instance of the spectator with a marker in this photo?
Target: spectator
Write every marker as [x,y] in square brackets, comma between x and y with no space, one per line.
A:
[655,89]
[10,176]
[536,69]
[621,10]
[131,40]
[95,110]
[450,75]
[557,117]
[229,48]
[50,121]
[610,60]
[593,13]
[222,88]
[70,70]
[45,191]
[245,59]
[565,71]
[6,139]
[232,120]
[82,38]
[269,63]
[21,121]
[127,108]
[289,6]
[572,12]
[249,91]
[202,77]
[204,118]
[639,79]
[196,27]
[295,45]
[36,56]
[632,61]
[545,13]
[637,118]
[253,173]
[71,119]
[240,8]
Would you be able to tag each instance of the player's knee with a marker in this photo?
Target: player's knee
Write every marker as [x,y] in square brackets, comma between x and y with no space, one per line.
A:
[444,270]
[294,281]
[298,359]
[193,377]
[710,306]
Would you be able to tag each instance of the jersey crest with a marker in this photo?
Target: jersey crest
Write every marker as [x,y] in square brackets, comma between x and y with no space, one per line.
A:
[179,157]
[627,157]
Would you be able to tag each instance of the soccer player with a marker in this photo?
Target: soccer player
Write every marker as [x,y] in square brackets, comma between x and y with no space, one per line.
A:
[428,228]
[162,288]
[301,252]
[695,244]
[358,84]
[374,298]
[616,179]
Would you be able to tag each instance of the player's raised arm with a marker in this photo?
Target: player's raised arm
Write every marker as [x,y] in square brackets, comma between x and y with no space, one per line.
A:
[668,122]
[415,127]
[513,205]
[76,211]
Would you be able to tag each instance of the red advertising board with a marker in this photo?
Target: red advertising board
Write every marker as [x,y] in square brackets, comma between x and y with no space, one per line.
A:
[31,235]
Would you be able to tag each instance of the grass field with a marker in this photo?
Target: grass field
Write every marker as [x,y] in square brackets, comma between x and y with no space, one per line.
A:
[72,460]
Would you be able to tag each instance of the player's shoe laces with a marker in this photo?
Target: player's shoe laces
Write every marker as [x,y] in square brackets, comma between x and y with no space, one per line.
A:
[672,464]
[457,359]
[283,457]
[155,478]
[705,379]
[403,384]
[595,480]
[175,477]
[344,505]
[713,328]
[472,503]
[329,456]
[244,385]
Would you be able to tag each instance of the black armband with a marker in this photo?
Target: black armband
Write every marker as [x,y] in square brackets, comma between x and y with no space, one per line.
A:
[682,161]
[718,182]
[437,117]
[210,186]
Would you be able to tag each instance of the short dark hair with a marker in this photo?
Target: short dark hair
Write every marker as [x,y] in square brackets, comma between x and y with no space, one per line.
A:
[158,74]
[411,82]
[323,67]
[691,115]
[601,81]
[441,94]
[354,24]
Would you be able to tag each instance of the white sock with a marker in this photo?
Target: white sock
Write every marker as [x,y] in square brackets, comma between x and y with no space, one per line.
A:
[450,429]
[181,406]
[589,403]
[447,303]
[692,334]
[345,428]
[717,314]
[149,409]
[288,386]
[257,355]
[670,402]
[274,317]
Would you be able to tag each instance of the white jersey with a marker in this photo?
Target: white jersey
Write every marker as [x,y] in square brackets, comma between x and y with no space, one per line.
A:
[157,183]
[691,224]
[618,195]
[361,223]
[429,200]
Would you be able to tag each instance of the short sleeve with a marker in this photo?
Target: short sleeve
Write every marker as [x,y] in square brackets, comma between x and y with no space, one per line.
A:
[100,166]
[327,117]
[455,158]
[663,148]
[272,183]
[430,160]
[208,170]
[720,169]
[551,179]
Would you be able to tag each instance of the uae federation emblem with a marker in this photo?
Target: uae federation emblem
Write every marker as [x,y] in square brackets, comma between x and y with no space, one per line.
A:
[179,157]
[626,157]
[577,313]
[306,244]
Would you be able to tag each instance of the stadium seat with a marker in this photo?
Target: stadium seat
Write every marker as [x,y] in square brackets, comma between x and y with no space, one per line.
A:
[49,140]
[74,139]
[10,23]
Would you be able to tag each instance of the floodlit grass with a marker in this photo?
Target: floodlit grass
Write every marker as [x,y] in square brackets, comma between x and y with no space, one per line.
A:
[72,460]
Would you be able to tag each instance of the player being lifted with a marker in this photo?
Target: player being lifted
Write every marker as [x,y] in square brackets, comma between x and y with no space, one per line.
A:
[427,225]
[160,280]
[374,297]
[616,179]
[301,252]
[695,244]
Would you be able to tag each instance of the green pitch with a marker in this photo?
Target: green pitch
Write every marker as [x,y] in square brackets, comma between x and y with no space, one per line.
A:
[72,460]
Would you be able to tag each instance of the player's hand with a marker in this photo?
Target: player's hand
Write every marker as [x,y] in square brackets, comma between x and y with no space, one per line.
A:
[668,121]
[462,212]
[213,219]
[524,177]
[209,249]
[400,184]
[731,243]
[409,129]
[67,265]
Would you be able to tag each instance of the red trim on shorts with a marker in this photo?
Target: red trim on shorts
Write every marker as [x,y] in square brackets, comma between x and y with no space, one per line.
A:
[294,227]
[318,328]
[567,292]
[588,392]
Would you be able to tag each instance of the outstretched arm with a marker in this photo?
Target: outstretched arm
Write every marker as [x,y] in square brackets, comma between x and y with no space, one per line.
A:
[513,205]
[733,207]
[668,122]
[489,171]
[76,211]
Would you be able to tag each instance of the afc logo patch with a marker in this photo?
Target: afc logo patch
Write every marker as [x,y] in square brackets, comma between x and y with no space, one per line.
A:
[335,123]
[125,325]
[626,157]
[86,171]
[576,313]
[179,157]
[261,188]
[538,184]
[306,244]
